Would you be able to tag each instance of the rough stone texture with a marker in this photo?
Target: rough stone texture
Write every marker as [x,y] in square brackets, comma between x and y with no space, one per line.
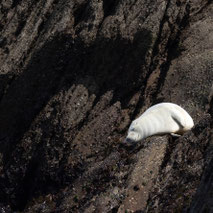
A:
[143,175]
[181,172]
[73,75]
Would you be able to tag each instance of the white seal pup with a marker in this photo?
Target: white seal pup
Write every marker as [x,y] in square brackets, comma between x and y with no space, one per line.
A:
[160,119]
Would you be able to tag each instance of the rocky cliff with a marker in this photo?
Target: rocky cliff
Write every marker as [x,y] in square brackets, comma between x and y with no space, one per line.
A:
[73,76]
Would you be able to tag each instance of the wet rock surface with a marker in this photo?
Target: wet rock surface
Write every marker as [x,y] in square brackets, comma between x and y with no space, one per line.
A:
[73,76]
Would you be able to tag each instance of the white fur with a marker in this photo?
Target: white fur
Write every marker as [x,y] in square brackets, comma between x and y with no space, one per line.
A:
[160,119]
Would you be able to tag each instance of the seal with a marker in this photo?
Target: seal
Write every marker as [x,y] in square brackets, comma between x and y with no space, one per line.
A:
[160,119]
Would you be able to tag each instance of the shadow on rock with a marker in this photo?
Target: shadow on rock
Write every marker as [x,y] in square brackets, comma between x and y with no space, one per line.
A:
[106,65]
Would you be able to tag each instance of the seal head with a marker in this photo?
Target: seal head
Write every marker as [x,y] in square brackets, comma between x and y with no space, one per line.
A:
[134,133]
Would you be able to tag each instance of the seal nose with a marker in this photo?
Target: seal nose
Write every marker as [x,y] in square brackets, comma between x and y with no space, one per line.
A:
[129,144]
[128,140]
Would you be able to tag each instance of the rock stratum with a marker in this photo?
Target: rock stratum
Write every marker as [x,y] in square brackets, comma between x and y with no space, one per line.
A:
[73,75]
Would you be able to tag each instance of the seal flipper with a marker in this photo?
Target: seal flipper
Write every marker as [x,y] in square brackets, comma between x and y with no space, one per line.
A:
[175,135]
[178,118]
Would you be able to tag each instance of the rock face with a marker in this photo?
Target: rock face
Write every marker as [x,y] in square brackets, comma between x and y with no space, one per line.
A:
[73,76]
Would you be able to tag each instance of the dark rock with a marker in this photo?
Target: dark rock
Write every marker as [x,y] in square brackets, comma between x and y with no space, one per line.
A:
[73,75]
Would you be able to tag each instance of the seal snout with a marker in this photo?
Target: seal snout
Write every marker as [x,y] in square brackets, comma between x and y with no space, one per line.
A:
[129,140]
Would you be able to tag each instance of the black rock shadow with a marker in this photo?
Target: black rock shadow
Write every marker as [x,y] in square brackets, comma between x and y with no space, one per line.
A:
[109,64]
[203,200]
[5,81]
